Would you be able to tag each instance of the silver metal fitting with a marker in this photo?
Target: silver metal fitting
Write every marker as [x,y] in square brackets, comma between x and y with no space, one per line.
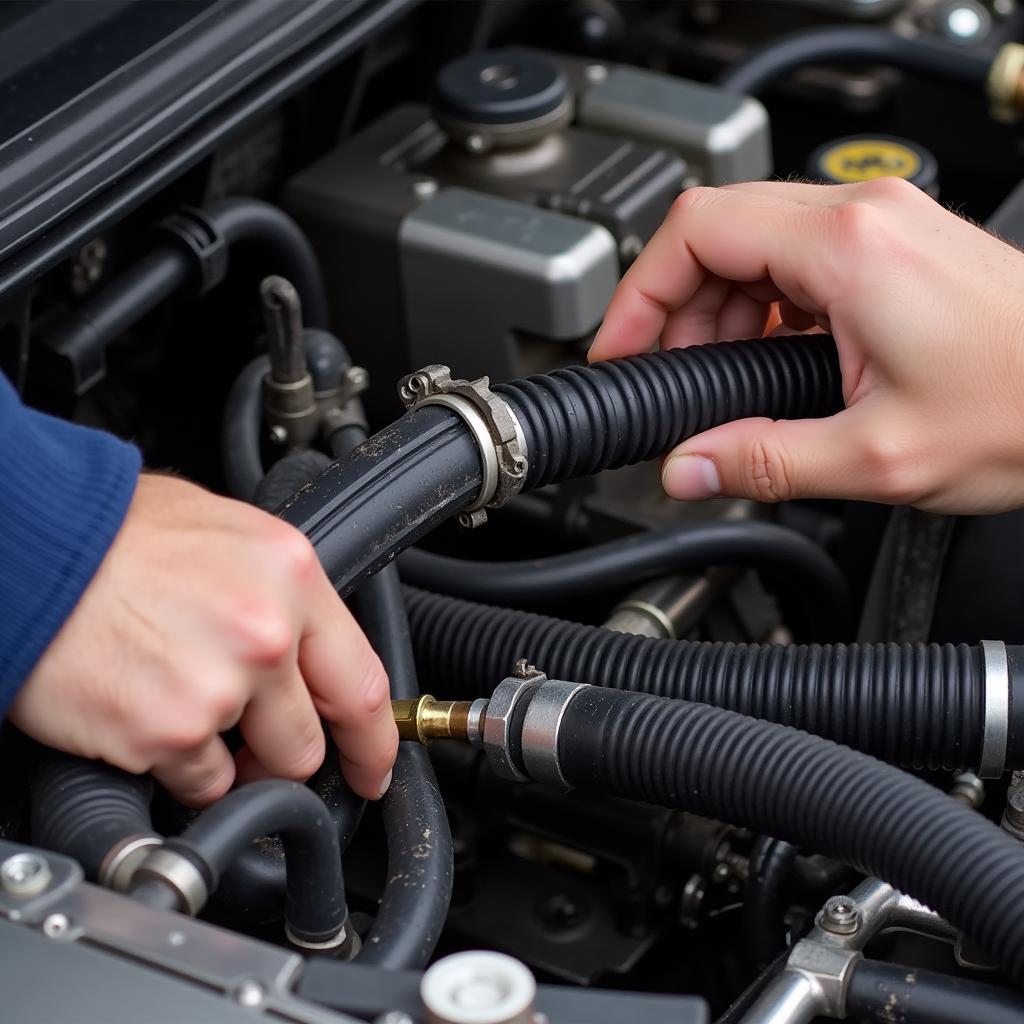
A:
[490,420]
[497,732]
[118,867]
[840,915]
[540,730]
[344,944]
[996,725]
[25,874]
[178,873]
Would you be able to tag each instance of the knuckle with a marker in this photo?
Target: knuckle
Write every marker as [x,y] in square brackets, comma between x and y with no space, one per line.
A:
[692,199]
[265,632]
[209,788]
[892,189]
[306,756]
[768,471]
[184,735]
[859,226]
[896,475]
[377,688]
[296,554]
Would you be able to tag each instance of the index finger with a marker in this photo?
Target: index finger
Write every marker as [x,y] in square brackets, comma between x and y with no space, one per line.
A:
[350,690]
[747,236]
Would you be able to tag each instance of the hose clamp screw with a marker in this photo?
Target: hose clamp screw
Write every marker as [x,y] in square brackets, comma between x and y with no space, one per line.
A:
[25,874]
[840,915]
[490,420]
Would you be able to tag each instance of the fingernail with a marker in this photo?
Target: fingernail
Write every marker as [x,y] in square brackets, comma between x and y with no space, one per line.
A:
[385,785]
[691,478]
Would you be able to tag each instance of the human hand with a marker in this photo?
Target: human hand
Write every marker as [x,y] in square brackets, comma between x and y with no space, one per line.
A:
[928,315]
[204,614]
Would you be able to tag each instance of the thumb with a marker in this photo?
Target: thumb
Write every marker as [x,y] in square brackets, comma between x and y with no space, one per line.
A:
[769,460]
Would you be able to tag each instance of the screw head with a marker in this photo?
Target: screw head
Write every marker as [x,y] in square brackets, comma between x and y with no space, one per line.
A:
[476,144]
[56,926]
[357,378]
[394,1017]
[250,994]
[278,434]
[424,188]
[596,73]
[840,915]
[25,874]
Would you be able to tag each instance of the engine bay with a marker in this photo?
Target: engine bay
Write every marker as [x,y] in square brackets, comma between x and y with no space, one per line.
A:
[675,761]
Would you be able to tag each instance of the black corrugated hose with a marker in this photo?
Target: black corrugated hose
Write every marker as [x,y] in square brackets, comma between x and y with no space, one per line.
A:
[809,792]
[920,706]
[423,469]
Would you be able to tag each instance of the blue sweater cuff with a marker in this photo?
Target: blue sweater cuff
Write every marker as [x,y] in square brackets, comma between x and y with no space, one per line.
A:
[64,492]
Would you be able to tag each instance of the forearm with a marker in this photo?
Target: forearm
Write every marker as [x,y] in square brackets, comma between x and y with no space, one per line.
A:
[64,491]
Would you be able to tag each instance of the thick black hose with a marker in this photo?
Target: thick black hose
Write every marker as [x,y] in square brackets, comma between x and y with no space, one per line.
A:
[764,901]
[809,792]
[619,563]
[83,809]
[390,491]
[917,705]
[854,45]
[583,419]
[242,429]
[315,907]
[405,480]
[880,993]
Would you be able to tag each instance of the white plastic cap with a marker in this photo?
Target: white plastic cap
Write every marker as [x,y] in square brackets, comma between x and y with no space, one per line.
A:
[478,988]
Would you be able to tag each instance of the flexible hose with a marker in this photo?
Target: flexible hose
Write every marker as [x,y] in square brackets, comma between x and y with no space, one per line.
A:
[916,705]
[405,480]
[809,792]
[643,556]
[764,902]
[583,419]
[84,809]
[242,429]
[854,45]
[315,908]
[880,993]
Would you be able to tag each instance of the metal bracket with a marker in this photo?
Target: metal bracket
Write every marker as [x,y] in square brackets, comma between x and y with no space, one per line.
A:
[493,425]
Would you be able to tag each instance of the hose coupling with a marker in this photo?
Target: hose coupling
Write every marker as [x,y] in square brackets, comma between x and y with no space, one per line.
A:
[178,871]
[490,420]
[425,719]
[344,944]
[1006,83]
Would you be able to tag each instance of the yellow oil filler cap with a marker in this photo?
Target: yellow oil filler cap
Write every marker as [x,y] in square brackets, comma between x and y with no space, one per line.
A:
[867,157]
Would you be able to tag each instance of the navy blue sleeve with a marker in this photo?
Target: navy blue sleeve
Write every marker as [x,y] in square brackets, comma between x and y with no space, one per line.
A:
[64,491]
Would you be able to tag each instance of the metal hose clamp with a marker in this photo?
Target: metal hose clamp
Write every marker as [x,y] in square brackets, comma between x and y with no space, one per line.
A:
[492,423]
[996,724]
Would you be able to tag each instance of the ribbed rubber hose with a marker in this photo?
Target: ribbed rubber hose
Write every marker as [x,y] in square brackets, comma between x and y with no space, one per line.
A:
[643,556]
[809,792]
[423,469]
[581,420]
[821,47]
[920,706]
[84,808]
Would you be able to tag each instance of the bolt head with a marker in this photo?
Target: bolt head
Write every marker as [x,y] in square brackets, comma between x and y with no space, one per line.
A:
[56,926]
[250,994]
[425,188]
[278,434]
[394,1017]
[840,915]
[25,874]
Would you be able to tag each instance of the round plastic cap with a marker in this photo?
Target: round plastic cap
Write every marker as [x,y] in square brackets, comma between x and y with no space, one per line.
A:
[478,988]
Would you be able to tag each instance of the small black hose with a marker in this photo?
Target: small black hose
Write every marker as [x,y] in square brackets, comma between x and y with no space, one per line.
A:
[917,705]
[315,908]
[242,429]
[880,993]
[619,563]
[854,45]
[83,809]
[809,792]
[764,901]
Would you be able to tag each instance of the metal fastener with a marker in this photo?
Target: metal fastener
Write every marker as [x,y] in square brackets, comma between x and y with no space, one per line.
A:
[250,994]
[424,188]
[25,874]
[394,1017]
[840,915]
[56,926]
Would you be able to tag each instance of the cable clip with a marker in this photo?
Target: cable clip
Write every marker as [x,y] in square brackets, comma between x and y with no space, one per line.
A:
[493,425]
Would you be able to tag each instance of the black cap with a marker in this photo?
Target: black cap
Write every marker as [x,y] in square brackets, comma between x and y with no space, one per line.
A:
[500,87]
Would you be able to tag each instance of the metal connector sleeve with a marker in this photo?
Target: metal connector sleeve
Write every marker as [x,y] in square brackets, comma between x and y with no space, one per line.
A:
[540,730]
[178,873]
[996,734]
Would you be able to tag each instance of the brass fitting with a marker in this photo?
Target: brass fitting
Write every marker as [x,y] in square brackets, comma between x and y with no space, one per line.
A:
[426,719]
[1006,83]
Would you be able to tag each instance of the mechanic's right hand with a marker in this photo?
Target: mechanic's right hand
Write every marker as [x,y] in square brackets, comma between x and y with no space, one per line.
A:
[927,312]
[204,614]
